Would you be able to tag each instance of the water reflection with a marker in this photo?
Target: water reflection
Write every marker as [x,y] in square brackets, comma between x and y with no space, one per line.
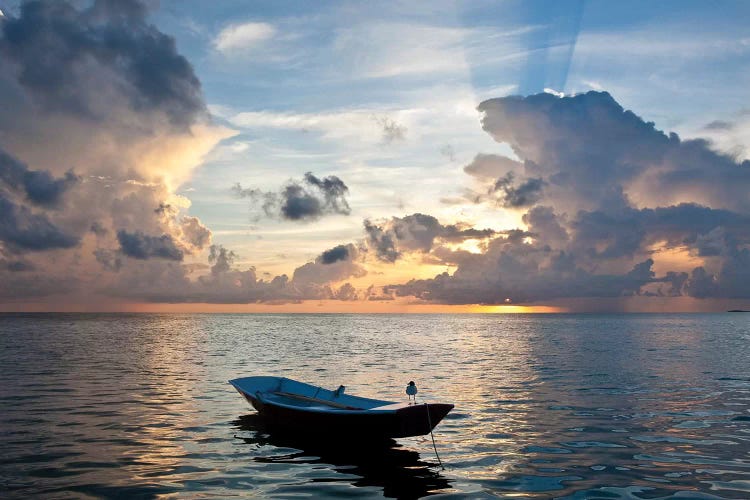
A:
[400,472]
[561,406]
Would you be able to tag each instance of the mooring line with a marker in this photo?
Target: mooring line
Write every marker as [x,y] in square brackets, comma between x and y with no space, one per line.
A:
[434,446]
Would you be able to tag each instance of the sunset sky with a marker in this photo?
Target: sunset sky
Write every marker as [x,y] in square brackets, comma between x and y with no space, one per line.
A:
[483,156]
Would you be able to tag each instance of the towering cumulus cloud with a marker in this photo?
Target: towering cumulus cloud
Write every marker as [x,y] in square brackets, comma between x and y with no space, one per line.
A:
[101,119]
[608,201]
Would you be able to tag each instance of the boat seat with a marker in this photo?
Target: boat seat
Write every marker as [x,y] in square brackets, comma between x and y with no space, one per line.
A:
[325,402]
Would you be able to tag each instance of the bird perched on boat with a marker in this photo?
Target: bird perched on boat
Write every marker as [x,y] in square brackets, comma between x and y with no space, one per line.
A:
[411,391]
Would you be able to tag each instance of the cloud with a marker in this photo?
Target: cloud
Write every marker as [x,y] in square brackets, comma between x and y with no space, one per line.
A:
[195,233]
[382,240]
[496,176]
[74,61]
[543,222]
[624,194]
[101,121]
[527,193]
[522,272]
[731,136]
[221,259]
[158,280]
[392,131]
[414,233]
[22,229]
[335,254]
[239,37]
[346,292]
[587,147]
[305,200]
[40,187]
[448,152]
[110,260]
[16,266]
[719,125]
[489,166]
[141,246]
[333,265]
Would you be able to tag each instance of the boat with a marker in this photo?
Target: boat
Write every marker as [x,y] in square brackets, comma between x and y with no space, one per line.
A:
[308,408]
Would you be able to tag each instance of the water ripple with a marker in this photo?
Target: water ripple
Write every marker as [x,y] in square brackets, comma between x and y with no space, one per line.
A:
[565,406]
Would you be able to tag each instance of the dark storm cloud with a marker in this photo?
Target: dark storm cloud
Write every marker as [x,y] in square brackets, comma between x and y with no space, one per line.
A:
[335,254]
[527,193]
[299,204]
[305,200]
[22,229]
[333,190]
[701,284]
[415,233]
[731,281]
[382,241]
[628,231]
[60,55]
[39,186]
[543,221]
[141,246]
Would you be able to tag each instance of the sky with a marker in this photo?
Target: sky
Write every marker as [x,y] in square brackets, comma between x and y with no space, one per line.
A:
[483,156]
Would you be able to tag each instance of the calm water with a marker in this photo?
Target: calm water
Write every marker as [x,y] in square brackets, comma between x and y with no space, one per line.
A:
[565,406]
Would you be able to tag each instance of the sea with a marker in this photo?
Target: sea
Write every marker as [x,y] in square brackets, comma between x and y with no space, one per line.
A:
[630,406]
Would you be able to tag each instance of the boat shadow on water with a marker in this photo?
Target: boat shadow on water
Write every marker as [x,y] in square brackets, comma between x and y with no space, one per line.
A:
[384,463]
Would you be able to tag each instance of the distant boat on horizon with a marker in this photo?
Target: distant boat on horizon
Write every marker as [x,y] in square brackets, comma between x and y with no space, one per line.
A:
[737,311]
[311,409]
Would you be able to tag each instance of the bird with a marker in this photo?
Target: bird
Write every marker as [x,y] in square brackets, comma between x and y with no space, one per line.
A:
[411,390]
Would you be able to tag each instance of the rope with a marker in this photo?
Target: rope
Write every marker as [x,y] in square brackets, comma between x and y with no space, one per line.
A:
[434,447]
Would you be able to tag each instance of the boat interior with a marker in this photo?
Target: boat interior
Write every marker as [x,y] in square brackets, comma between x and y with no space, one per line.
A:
[292,393]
